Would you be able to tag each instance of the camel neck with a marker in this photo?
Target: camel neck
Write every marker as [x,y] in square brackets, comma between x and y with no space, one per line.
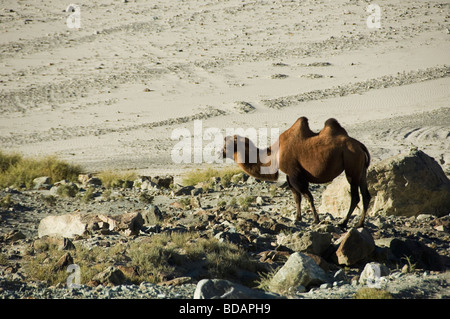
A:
[265,167]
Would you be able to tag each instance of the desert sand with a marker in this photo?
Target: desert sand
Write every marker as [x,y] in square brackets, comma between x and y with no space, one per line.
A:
[110,93]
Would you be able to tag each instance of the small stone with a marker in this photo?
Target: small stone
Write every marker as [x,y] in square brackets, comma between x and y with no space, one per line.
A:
[42,182]
[339,275]
[163,181]
[13,236]
[152,215]
[224,289]
[423,217]
[405,269]
[63,262]
[325,286]
[186,190]
[51,242]
[259,201]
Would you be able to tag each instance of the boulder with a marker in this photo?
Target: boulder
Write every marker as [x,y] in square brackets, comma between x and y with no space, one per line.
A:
[299,270]
[185,190]
[162,181]
[129,223]
[310,242]
[43,182]
[64,261]
[417,253]
[268,224]
[110,276]
[355,246]
[372,274]
[77,224]
[403,185]
[152,215]
[12,236]
[89,180]
[68,225]
[64,188]
[53,242]
[224,289]
[147,185]
[232,237]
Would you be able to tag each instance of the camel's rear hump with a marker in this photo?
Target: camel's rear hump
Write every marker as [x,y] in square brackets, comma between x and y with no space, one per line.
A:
[333,127]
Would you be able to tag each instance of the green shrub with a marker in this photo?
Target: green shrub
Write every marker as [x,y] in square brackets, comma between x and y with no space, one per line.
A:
[20,172]
[41,267]
[154,259]
[205,175]
[88,195]
[6,202]
[372,293]
[67,190]
[265,278]
[113,179]
[245,201]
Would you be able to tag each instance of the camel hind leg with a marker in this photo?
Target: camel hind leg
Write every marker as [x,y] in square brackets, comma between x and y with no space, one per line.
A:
[366,200]
[355,184]
[354,193]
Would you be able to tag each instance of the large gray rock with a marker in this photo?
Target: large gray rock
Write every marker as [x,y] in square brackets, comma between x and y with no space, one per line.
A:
[373,274]
[310,242]
[417,253]
[299,270]
[77,224]
[224,289]
[68,225]
[163,181]
[43,182]
[152,215]
[403,185]
[53,242]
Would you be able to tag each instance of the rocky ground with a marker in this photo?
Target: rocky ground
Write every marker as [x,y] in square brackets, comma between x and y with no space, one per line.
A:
[110,93]
[261,225]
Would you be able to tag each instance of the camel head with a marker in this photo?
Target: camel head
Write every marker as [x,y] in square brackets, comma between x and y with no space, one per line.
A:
[230,146]
[239,147]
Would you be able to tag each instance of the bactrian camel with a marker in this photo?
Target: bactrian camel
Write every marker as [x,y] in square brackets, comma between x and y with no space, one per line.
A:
[307,157]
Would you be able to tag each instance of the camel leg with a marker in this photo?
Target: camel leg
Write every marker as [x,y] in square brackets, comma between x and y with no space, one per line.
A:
[354,202]
[301,186]
[366,200]
[298,200]
[310,198]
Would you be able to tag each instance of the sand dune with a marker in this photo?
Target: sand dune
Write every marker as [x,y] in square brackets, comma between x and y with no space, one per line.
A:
[109,94]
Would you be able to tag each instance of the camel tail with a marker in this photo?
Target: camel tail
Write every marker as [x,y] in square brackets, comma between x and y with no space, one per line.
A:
[366,151]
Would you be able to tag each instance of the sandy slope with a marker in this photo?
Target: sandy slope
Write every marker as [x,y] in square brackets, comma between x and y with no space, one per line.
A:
[111,93]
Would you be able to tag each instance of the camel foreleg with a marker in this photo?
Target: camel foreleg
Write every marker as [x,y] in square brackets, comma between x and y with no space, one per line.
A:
[299,187]
[298,201]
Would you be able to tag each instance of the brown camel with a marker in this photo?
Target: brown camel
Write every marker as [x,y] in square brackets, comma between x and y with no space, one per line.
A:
[307,157]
